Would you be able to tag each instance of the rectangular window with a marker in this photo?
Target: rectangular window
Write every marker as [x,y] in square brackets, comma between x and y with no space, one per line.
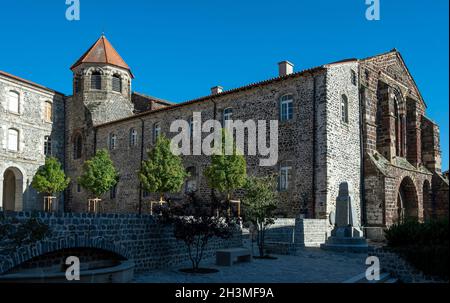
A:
[117,84]
[48,112]
[13,102]
[13,140]
[96,82]
[353,75]
[287,108]
[156,131]
[227,116]
[47,146]
[284,178]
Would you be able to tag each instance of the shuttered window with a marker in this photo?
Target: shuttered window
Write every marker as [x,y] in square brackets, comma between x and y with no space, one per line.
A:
[13,102]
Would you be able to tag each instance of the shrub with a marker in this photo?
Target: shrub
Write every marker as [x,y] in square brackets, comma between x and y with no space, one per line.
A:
[195,225]
[424,245]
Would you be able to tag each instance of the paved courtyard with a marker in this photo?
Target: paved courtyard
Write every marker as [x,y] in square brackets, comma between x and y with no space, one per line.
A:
[311,265]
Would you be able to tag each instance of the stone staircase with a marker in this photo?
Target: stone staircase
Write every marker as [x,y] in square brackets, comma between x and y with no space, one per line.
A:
[385,278]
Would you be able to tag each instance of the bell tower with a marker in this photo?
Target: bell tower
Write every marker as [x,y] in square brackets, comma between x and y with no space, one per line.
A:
[101,94]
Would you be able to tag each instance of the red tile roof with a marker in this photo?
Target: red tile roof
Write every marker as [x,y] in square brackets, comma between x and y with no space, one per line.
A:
[102,52]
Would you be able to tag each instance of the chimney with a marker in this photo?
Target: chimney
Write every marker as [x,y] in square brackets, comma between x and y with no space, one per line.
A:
[285,68]
[216,90]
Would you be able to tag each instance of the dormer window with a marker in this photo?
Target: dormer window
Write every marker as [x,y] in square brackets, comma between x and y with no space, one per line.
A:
[96,81]
[117,84]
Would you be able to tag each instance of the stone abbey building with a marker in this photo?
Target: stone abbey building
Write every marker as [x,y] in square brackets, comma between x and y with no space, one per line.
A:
[359,121]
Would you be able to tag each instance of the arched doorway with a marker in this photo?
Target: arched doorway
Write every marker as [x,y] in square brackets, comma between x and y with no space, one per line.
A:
[407,201]
[12,190]
[428,205]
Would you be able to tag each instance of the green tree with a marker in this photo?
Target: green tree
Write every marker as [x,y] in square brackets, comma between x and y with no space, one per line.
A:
[50,178]
[163,172]
[99,174]
[228,171]
[259,205]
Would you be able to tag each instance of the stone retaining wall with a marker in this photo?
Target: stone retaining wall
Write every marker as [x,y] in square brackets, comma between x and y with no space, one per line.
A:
[135,237]
[399,268]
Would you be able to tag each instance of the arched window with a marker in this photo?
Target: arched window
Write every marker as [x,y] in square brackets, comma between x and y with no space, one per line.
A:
[227,116]
[133,137]
[13,102]
[96,81]
[284,178]
[116,83]
[48,111]
[286,107]
[344,109]
[112,141]
[156,131]
[13,140]
[47,146]
[77,147]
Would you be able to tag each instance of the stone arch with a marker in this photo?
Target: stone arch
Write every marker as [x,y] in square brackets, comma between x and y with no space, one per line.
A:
[28,252]
[12,187]
[407,200]
[94,69]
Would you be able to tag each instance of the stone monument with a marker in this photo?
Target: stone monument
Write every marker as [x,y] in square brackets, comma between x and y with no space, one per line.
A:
[347,234]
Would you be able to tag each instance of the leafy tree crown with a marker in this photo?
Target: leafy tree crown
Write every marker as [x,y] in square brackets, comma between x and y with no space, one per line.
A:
[163,171]
[50,178]
[99,174]
[227,172]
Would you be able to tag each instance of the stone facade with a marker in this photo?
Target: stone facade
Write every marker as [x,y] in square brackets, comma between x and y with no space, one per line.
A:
[402,157]
[20,162]
[356,121]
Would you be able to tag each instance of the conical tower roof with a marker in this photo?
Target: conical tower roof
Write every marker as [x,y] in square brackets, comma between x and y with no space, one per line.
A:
[104,53]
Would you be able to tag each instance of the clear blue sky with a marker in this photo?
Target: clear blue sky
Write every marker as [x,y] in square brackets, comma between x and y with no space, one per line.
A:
[179,49]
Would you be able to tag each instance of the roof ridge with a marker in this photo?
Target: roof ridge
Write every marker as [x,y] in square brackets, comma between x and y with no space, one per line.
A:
[5,74]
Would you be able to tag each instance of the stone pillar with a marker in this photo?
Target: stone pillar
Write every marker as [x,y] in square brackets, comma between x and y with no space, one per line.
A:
[413,133]
[386,143]
[431,153]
